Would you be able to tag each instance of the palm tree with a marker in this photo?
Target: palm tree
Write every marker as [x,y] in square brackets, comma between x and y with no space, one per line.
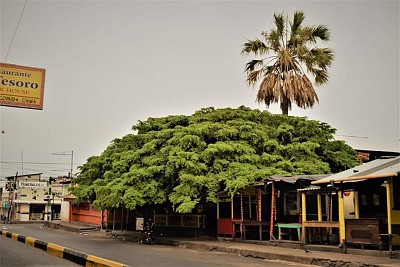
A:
[288,49]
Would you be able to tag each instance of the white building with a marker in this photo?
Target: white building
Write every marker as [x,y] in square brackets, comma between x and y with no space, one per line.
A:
[4,205]
[33,198]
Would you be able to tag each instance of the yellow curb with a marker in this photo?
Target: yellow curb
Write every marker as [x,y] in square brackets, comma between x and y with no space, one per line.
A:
[30,241]
[4,233]
[14,236]
[93,261]
[55,249]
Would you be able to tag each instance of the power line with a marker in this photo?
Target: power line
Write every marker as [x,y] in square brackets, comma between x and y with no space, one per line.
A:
[15,32]
[39,163]
[366,137]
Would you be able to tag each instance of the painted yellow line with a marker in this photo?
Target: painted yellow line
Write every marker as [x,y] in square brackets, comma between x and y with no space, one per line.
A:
[93,261]
[30,241]
[55,249]
[14,236]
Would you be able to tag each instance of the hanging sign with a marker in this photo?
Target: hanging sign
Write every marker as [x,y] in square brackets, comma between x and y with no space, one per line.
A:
[21,86]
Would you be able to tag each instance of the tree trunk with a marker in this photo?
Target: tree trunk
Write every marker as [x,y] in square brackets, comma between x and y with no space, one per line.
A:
[285,106]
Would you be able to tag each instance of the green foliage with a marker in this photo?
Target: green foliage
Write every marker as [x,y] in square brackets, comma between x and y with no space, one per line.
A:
[188,159]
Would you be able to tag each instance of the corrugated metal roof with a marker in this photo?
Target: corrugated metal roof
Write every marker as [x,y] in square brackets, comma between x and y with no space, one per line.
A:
[293,179]
[378,168]
[23,175]
[309,188]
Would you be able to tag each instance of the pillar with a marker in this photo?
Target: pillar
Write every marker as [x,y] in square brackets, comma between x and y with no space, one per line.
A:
[241,208]
[273,211]
[303,207]
[217,207]
[241,218]
[259,203]
[389,204]
[250,215]
[356,205]
[319,202]
[232,217]
[342,233]
[389,210]
[303,217]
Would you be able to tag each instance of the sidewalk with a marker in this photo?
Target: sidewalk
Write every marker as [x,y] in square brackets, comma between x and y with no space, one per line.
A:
[262,250]
[310,255]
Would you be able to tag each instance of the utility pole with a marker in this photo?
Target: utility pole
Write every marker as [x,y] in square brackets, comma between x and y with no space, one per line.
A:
[67,153]
[12,185]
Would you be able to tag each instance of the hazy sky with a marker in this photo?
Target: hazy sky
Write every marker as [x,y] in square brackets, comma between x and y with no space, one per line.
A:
[111,63]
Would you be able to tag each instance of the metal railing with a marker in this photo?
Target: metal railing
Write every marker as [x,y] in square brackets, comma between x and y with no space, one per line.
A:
[179,220]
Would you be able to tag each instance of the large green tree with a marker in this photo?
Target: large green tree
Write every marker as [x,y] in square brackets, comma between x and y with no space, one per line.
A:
[186,160]
[287,51]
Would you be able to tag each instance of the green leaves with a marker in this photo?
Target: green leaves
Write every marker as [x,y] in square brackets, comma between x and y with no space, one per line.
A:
[257,47]
[298,19]
[186,160]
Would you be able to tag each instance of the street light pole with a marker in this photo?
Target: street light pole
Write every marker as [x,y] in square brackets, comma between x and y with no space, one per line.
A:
[72,163]
[52,207]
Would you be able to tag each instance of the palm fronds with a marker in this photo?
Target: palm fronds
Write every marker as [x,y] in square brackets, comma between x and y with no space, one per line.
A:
[284,81]
[254,46]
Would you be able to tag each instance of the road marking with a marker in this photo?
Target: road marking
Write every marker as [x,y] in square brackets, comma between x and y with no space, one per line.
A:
[14,236]
[92,261]
[30,241]
[55,249]
[62,252]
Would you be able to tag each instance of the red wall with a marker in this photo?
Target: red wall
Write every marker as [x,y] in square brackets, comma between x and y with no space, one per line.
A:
[225,227]
[87,214]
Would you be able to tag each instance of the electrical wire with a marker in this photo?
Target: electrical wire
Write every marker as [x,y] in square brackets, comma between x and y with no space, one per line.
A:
[8,168]
[15,32]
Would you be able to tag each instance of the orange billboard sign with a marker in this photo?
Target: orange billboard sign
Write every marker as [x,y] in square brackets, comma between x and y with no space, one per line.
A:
[21,86]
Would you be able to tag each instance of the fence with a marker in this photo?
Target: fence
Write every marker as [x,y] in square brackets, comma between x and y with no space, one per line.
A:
[179,220]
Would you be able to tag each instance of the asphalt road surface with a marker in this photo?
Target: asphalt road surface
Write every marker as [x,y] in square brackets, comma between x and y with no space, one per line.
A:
[17,254]
[131,253]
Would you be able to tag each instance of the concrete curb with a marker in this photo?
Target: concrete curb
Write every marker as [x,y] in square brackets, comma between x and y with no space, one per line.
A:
[63,252]
[69,228]
[265,255]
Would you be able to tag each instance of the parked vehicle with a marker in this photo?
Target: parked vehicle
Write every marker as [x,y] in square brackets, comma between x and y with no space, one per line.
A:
[148,231]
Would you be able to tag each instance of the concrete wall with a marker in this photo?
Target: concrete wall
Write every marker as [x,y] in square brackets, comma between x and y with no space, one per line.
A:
[87,214]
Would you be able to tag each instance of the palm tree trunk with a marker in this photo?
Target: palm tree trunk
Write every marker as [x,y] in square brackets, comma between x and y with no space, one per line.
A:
[285,106]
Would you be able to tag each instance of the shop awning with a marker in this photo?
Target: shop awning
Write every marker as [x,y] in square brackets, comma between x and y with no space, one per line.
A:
[376,169]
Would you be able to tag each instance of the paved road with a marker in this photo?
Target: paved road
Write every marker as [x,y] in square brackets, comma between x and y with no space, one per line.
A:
[17,254]
[136,254]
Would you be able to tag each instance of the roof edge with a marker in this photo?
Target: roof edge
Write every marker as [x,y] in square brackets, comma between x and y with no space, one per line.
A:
[355,178]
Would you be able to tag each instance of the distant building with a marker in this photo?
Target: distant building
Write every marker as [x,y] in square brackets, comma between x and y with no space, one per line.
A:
[29,197]
[369,149]
[3,198]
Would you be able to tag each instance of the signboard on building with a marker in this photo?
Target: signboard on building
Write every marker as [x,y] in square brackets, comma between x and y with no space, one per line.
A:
[21,86]
[57,191]
[139,224]
[32,184]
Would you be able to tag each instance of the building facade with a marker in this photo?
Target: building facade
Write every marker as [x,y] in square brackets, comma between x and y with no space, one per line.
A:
[30,198]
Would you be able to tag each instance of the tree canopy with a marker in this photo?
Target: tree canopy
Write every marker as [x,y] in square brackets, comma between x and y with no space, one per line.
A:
[188,159]
[290,48]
